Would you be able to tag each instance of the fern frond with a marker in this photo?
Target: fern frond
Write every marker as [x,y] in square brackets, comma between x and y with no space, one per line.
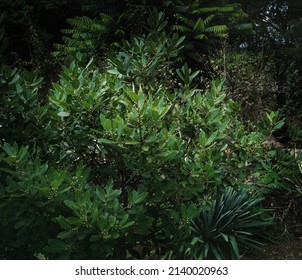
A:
[185,20]
[217,29]
[80,21]
[205,10]
[96,27]
[182,8]
[67,31]
[58,47]
[199,25]
[181,28]
[240,14]
[84,35]
[208,19]
[201,36]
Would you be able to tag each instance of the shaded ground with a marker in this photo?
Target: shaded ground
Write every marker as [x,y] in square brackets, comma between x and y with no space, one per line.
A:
[286,209]
[285,250]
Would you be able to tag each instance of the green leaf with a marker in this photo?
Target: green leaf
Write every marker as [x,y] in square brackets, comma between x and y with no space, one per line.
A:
[106,123]
[138,197]
[220,99]
[9,171]
[180,75]
[58,88]
[22,152]
[14,80]
[124,219]
[145,148]
[151,139]
[63,114]
[211,138]
[225,237]
[106,141]
[193,75]
[162,25]
[75,83]
[10,150]
[65,235]
[234,246]
[278,125]
[63,223]
[270,116]
[20,224]
[164,111]
[195,240]
[206,249]
[70,204]
[56,246]
[202,138]
[133,96]
[111,221]
[215,252]
[114,72]
[224,147]
[183,211]
[100,193]
[132,142]
[180,40]
[129,224]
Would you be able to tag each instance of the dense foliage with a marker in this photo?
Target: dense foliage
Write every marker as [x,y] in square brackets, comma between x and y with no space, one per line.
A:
[150,147]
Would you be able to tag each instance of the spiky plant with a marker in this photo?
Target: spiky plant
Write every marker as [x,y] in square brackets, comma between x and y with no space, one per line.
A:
[232,223]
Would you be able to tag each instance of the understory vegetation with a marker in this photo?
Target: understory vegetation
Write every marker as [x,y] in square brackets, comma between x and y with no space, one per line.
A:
[142,130]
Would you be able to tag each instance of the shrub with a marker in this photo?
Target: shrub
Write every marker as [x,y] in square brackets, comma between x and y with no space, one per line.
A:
[117,165]
[20,105]
[59,214]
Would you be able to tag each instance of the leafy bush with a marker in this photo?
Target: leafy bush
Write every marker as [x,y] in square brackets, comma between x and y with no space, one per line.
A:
[60,215]
[20,104]
[148,60]
[118,164]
